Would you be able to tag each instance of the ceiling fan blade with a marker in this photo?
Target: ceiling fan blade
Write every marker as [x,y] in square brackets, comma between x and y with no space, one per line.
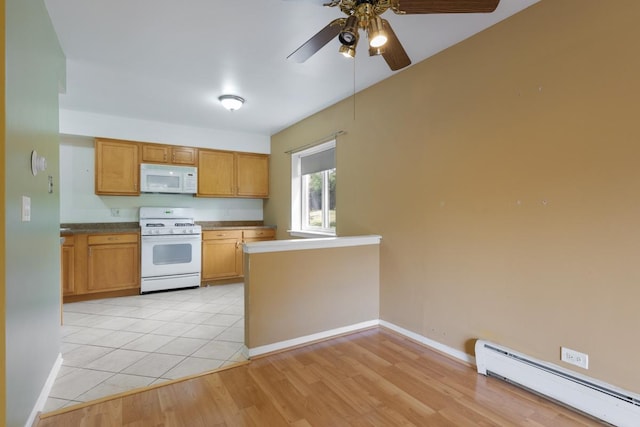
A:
[443,6]
[316,42]
[392,51]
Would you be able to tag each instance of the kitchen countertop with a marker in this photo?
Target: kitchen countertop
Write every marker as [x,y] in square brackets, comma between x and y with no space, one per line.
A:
[70,229]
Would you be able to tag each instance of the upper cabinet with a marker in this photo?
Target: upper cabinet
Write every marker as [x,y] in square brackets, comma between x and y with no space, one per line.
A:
[216,173]
[117,167]
[232,174]
[168,154]
[220,173]
[252,175]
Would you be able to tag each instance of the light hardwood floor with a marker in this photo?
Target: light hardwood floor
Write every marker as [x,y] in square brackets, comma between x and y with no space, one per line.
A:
[370,378]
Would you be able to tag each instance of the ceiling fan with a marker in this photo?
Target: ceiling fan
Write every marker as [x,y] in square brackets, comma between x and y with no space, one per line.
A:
[365,15]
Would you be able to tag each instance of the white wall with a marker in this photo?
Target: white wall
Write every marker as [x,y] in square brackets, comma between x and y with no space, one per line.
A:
[80,204]
[91,125]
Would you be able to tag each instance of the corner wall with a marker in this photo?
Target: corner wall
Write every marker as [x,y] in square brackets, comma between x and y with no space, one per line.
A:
[503,174]
[34,68]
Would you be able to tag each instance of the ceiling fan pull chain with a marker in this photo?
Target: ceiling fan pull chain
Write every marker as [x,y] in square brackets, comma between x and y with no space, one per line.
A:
[354,89]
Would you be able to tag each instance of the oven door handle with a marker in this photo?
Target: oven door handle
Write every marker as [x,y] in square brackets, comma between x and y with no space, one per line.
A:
[167,238]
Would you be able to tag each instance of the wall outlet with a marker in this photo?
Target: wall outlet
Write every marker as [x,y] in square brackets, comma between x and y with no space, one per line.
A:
[574,357]
[115,211]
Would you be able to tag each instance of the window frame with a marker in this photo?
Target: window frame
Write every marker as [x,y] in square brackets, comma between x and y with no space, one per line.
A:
[297,207]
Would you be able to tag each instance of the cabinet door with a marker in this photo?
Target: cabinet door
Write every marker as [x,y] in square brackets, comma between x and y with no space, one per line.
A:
[113,266]
[252,175]
[184,156]
[153,153]
[256,235]
[221,254]
[67,266]
[117,167]
[216,173]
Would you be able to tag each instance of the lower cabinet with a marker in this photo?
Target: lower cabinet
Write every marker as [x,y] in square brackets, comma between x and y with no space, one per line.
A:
[222,256]
[256,235]
[101,265]
[113,262]
[67,266]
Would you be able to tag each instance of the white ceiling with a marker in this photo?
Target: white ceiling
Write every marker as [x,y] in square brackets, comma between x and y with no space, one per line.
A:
[168,61]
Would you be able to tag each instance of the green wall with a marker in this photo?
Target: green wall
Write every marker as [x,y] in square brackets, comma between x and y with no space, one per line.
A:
[34,65]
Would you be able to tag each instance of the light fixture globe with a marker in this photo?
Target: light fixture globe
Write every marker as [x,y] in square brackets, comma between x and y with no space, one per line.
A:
[231,102]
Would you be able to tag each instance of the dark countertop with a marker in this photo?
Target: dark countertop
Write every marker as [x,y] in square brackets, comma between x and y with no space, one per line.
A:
[70,229]
[232,225]
[99,227]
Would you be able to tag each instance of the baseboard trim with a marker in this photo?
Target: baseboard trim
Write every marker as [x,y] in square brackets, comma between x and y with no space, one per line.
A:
[295,342]
[46,390]
[307,339]
[450,351]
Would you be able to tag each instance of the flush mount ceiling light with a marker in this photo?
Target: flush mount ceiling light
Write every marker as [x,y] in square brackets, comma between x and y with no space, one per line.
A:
[231,102]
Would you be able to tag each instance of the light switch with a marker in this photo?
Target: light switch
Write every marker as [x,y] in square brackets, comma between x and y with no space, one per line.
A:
[26,208]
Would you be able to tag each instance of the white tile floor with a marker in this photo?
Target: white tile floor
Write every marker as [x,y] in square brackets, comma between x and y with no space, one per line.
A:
[118,344]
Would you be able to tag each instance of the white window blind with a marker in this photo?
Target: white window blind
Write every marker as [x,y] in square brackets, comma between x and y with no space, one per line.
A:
[317,162]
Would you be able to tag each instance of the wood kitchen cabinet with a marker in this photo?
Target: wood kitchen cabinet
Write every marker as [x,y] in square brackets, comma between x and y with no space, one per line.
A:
[252,172]
[67,266]
[216,173]
[221,254]
[117,167]
[220,173]
[113,262]
[232,174]
[256,235]
[169,154]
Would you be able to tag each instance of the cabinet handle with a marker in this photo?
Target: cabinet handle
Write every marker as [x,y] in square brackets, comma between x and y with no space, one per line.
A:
[112,238]
[164,157]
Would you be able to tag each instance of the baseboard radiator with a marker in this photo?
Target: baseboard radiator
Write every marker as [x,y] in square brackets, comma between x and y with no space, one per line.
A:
[593,397]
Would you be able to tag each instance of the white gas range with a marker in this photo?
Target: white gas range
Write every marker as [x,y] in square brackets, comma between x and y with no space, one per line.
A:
[171,249]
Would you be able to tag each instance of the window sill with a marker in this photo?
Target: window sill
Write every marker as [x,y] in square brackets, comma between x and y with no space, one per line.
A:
[309,234]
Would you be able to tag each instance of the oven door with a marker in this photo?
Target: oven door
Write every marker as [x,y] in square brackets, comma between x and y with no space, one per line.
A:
[170,255]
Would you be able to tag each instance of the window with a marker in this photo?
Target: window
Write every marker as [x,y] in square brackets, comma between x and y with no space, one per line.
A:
[313,191]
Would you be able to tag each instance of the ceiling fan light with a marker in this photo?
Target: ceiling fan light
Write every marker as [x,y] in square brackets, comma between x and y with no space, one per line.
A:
[349,34]
[377,35]
[347,51]
[231,102]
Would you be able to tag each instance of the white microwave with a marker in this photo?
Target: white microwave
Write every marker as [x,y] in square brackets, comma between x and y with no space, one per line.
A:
[168,179]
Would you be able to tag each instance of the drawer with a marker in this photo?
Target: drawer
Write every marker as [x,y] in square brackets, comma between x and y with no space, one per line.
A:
[222,234]
[68,240]
[106,239]
[260,233]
